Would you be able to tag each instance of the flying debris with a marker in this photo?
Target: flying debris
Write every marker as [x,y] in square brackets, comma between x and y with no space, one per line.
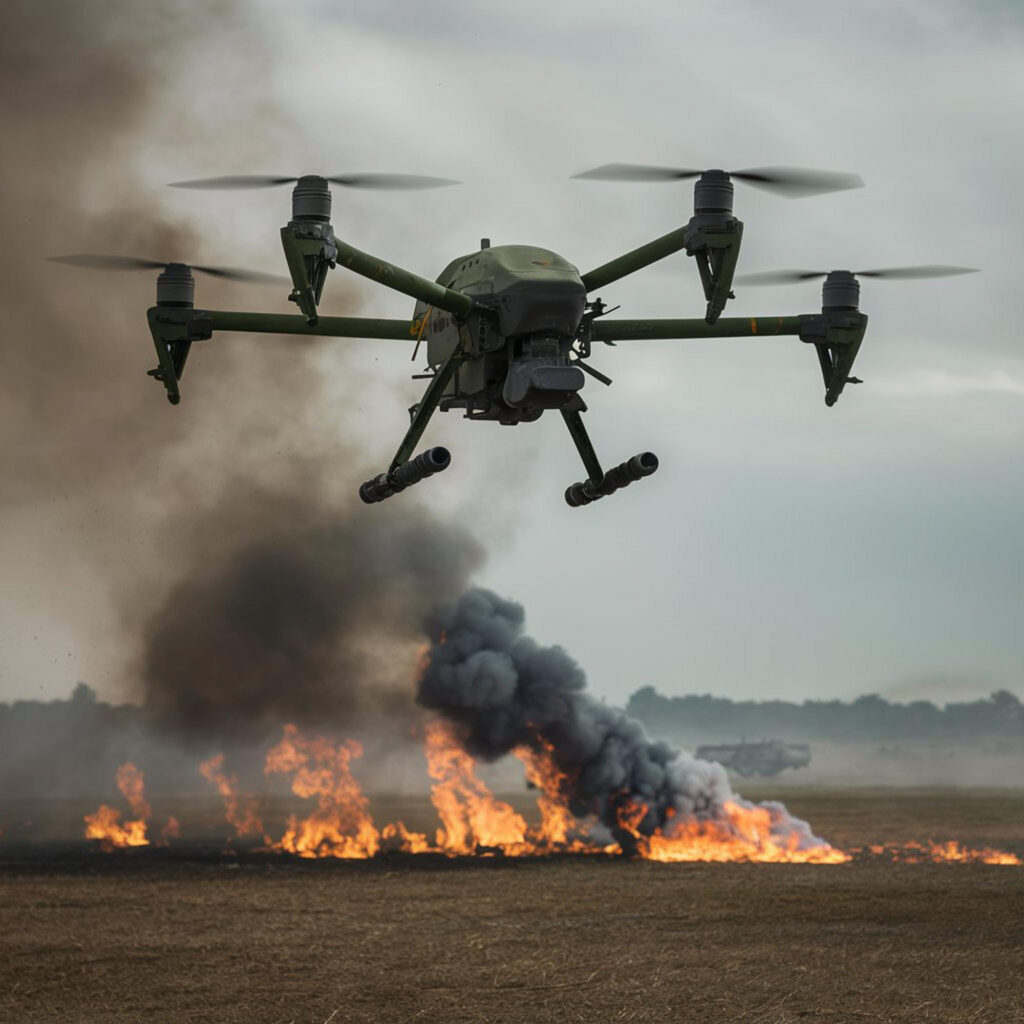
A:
[509,329]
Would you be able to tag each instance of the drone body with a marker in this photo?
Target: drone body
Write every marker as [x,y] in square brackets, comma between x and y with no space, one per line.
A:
[518,339]
[508,329]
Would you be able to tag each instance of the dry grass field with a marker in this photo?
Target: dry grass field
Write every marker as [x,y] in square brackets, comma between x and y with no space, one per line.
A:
[192,934]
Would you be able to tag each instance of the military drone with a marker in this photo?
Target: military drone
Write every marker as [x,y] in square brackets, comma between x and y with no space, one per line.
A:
[509,328]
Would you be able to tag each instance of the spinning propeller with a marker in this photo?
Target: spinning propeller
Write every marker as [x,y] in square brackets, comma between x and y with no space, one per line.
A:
[381,181]
[175,286]
[892,273]
[841,289]
[792,182]
[94,261]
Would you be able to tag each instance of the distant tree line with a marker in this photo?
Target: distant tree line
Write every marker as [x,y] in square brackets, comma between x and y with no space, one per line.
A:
[73,747]
[866,719]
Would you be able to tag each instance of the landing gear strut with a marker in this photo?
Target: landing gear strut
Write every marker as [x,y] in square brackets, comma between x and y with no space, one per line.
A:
[403,471]
[598,483]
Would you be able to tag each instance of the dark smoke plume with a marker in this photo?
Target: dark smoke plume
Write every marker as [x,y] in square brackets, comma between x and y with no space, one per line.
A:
[94,463]
[503,691]
[240,585]
[314,619]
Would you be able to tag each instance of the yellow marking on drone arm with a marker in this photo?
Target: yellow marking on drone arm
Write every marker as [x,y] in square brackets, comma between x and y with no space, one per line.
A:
[418,328]
[753,325]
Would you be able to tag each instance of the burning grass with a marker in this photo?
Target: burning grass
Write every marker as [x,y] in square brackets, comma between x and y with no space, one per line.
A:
[473,822]
[516,940]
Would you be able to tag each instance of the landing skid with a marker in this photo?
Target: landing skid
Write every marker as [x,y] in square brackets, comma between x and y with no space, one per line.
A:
[598,483]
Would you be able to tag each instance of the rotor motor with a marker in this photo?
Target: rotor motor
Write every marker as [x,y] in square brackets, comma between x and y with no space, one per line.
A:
[713,193]
[311,199]
[176,286]
[840,291]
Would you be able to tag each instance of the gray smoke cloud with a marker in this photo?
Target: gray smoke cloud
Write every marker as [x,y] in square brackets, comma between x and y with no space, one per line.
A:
[314,619]
[248,586]
[503,690]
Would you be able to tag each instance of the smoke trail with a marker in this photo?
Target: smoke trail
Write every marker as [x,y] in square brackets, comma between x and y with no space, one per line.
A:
[504,691]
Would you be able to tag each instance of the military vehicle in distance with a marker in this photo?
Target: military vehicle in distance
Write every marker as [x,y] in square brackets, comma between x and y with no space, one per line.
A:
[768,757]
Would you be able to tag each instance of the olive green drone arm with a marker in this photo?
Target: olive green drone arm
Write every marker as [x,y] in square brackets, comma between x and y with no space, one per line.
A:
[404,281]
[836,335]
[636,259]
[326,326]
[727,327]
[175,328]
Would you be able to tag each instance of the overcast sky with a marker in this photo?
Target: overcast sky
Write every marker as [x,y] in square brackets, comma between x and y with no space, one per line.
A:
[783,549]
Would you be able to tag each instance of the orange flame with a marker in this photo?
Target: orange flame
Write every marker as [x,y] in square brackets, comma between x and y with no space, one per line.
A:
[470,815]
[241,810]
[105,823]
[745,833]
[557,822]
[943,853]
[474,821]
[341,825]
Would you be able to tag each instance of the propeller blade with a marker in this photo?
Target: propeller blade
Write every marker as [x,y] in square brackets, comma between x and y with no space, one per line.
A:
[913,273]
[797,182]
[792,182]
[390,181]
[778,277]
[235,181]
[236,274]
[892,273]
[638,172]
[93,261]
[384,181]
[96,262]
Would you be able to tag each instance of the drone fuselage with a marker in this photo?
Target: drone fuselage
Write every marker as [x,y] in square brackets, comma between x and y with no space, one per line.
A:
[517,343]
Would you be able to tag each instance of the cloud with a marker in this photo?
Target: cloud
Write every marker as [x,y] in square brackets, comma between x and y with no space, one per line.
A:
[946,384]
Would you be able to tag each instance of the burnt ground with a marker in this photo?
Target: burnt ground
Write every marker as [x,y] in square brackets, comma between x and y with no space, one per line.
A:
[192,933]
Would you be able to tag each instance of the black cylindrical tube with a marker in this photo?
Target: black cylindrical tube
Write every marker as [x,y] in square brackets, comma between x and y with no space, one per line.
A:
[627,472]
[427,464]
[376,489]
[620,476]
[412,472]
[577,495]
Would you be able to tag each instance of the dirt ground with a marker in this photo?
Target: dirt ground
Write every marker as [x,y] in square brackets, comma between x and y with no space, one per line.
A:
[191,933]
